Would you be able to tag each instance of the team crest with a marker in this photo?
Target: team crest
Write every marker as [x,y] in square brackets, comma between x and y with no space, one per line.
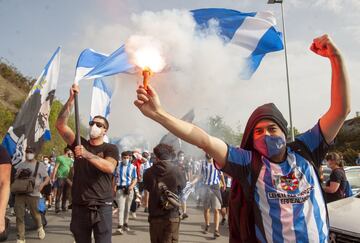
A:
[289,182]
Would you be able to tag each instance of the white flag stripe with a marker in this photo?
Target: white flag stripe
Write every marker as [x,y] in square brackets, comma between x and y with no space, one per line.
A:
[248,35]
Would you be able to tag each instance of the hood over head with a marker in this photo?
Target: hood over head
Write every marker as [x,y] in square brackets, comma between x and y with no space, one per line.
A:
[266,111]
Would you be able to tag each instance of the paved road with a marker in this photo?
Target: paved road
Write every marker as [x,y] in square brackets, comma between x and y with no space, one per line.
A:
[57,230]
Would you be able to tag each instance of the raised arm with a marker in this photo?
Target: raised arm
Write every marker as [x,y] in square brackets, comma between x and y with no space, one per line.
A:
[334,118]
[62,121]
[148,103]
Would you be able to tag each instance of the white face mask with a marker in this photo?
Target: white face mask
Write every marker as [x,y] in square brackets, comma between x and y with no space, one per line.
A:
[30,156]
[94,132]
[46,161]
[125,161]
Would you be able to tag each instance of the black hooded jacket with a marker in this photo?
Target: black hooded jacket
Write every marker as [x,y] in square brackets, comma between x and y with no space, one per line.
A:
[241,217]
[170,175]
[267,111]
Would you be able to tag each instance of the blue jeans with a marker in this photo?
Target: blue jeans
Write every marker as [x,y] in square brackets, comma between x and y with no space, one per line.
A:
[85,220]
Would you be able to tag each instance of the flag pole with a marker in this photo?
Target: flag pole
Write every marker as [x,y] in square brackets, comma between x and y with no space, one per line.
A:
[77,119]
[286,65]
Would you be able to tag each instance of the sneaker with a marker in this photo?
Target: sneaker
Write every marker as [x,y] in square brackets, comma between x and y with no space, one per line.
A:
[120,230]
[57,210]
[133,215]
[126,227]
[206,230]
[184,216]
[20,241]
[41,233]
[216,234]
[146,210]
[223,221]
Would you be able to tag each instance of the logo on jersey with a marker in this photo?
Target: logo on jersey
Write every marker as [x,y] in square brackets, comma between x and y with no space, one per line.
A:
[289,182]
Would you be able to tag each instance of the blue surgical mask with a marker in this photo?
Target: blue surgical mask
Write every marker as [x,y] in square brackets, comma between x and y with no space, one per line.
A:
[269,146]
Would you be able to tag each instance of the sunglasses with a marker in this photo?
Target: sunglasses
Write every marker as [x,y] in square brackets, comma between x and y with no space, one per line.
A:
[98,124]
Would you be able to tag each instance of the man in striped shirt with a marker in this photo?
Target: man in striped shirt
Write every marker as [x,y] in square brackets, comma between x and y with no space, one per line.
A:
[287,202]
[126,179]
[211,178]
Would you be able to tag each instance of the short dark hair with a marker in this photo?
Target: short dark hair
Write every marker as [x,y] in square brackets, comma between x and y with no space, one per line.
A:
[180,152]
[126,153]
[145,154]
[164,152]
[29,150]
[105,120]
[66,149]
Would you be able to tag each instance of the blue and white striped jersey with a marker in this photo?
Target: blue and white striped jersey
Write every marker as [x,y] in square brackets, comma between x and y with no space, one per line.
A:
[210,175]
[288,195]
[125,174]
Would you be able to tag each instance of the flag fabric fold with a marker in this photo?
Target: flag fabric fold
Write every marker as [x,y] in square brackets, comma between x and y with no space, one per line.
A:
[93,65]
[31,125]
[88,60]
[254,33]
[101,99]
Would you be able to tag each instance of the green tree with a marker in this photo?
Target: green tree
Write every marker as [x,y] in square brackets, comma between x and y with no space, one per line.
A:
[7,118]
[57,144]
[218,128]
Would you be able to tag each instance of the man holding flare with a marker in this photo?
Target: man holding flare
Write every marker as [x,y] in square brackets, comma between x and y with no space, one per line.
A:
[288,203]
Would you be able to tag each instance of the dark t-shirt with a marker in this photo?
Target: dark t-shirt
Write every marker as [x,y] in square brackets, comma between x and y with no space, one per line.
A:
[170,175]
[90,185]
[4,156]
[338,176]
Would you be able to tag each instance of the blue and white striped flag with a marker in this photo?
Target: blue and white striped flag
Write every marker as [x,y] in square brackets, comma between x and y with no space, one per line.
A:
[254,33]
[92,64]
[31,126]
[101,99]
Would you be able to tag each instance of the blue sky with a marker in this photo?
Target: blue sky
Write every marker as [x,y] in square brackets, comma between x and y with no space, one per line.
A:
[31,31]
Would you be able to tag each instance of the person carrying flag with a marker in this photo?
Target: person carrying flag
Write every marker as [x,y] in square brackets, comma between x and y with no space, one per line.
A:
[94,165]
[287,201]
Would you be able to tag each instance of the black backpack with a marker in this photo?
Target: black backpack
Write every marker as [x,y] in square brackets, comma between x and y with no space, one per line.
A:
[242,209]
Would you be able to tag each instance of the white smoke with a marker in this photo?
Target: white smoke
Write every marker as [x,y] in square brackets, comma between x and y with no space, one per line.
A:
[204,73]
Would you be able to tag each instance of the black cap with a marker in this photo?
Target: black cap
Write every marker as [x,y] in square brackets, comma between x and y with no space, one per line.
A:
[267,111]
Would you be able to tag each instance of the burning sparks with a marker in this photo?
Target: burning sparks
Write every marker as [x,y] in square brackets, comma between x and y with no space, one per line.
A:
[149,58]
[146,52]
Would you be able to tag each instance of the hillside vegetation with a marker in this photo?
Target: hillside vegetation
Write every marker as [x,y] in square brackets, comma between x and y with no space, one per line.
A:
[14,88]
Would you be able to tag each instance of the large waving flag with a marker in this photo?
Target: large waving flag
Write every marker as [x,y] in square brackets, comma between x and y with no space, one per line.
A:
[92,65]
[254,33]
[31,126]
[101,99]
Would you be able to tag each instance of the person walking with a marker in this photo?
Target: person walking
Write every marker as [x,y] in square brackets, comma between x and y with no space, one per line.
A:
[126,181]
[30,167]
[61,171]
[94,165]
[159,179]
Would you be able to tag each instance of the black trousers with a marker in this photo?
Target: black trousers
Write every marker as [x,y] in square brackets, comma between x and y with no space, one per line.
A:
[85,220]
